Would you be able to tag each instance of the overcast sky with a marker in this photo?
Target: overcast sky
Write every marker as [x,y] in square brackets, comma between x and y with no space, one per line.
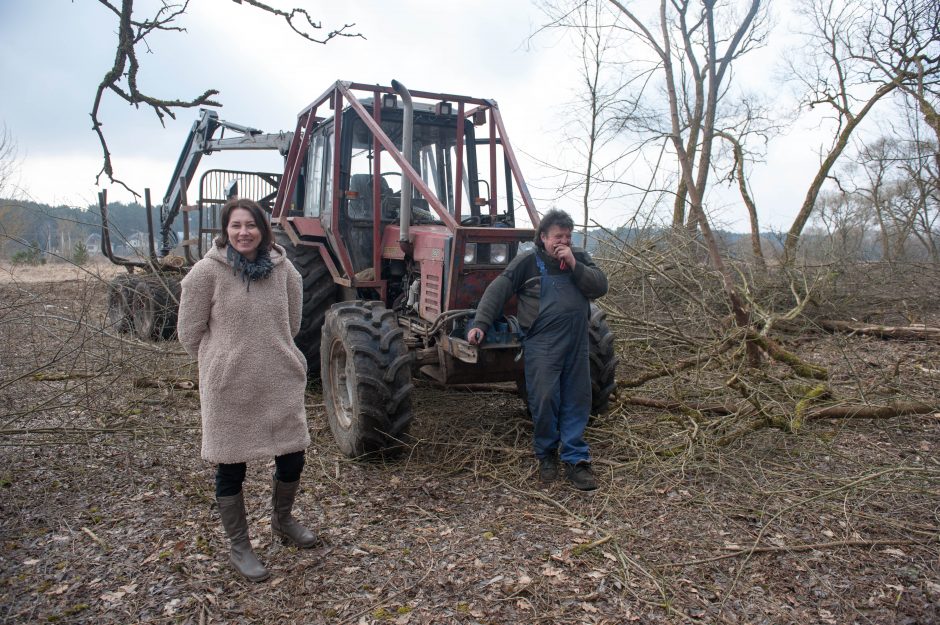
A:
[53,54]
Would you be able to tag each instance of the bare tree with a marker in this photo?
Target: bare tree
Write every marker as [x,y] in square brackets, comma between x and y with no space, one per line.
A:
[843,220]
[921,171]
[885,208]
[736,174]
[877,162]
[860,52]
[696,45]
[588,170]
[121,78]
[899,177]
[594,47]
[8,163]
[891,184]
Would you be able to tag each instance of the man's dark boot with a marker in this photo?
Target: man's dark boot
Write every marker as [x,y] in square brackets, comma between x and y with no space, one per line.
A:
[580,475]
[282,523]
[235,522]
[548,469]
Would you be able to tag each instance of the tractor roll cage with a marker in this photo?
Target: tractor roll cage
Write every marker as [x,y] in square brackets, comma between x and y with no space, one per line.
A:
[342,94]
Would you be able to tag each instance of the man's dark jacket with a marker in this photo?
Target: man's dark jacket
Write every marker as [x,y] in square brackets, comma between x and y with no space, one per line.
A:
[523,279]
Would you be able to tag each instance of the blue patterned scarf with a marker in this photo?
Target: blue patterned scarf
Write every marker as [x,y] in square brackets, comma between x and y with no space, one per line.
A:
[250,270]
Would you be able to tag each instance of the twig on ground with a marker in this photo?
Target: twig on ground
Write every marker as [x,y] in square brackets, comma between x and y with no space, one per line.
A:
[792,548]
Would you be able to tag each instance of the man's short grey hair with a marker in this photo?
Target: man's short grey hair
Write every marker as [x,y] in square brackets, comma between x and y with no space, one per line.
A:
[554,217]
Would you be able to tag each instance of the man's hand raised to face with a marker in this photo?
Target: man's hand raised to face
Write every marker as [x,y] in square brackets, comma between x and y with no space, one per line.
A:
[565,256]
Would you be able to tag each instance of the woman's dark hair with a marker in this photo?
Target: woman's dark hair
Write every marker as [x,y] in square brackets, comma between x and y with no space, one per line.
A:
[554,217]
[261,220]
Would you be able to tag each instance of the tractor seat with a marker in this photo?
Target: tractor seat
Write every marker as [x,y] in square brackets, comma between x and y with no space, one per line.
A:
[360,207]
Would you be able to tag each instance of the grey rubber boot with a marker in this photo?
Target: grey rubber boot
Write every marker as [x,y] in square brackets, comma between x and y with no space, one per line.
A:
[235,522]
[282,523]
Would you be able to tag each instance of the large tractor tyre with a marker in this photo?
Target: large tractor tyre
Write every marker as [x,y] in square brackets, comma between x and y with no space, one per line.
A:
[120,295]
[604,360]
[319,295]
[366,371]
[154,307]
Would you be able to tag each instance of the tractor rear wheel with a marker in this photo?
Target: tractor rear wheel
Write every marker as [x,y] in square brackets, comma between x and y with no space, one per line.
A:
[319,295]
[154,307]
[366,370]
[604,360]
[120,294]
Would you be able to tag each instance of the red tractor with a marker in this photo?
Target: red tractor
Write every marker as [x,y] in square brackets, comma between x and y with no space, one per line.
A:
[398,209]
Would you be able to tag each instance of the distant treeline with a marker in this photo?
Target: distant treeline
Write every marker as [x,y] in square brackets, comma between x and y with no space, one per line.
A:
[58,229]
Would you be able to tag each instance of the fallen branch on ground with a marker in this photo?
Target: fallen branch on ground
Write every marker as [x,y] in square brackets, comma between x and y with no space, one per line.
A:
[676,367]
[181,384]
[58,377]
[866,411]
[791,548]
[776,351]
[95,538]
[917,332]
[649,402]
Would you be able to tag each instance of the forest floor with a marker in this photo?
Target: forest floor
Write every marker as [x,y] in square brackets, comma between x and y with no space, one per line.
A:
[107,512]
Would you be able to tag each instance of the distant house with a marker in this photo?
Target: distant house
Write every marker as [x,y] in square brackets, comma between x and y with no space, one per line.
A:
[93,244]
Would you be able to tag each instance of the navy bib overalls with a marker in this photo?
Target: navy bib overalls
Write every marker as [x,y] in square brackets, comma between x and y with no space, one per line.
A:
[557,368]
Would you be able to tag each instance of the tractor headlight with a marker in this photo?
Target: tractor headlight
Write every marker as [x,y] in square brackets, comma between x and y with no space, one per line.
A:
[499,253]
[470,254]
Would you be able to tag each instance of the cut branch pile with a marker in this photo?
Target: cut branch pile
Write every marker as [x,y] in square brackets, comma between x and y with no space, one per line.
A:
[64,373]
[99,442]
[690,358]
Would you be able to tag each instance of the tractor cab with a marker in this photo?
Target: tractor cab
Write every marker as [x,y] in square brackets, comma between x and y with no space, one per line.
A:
[424,233]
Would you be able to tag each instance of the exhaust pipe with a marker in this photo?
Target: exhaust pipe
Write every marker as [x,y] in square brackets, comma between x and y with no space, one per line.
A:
[407,139]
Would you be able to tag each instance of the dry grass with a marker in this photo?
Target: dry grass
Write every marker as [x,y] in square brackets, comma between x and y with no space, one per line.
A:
[57,271]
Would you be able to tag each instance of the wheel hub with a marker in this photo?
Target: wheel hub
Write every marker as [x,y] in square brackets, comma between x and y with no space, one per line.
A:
[341,378]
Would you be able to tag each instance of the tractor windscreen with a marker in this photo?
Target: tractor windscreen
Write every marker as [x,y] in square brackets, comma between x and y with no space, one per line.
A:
[434,158]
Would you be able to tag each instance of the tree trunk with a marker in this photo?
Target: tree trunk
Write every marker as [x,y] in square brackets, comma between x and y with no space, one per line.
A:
[865,411]
[809,202]
[756,248]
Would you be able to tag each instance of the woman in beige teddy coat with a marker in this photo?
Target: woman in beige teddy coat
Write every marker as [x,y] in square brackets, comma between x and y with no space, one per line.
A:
[239,311]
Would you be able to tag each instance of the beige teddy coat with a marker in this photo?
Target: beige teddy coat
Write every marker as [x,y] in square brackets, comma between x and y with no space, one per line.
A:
[251,375]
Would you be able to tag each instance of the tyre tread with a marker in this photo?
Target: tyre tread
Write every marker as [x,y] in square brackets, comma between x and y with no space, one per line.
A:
[381,411]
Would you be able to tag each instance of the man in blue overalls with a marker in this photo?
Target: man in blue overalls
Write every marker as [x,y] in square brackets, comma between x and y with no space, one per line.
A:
[553,284]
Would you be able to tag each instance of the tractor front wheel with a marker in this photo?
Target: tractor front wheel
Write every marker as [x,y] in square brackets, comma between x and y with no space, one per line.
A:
[366,372]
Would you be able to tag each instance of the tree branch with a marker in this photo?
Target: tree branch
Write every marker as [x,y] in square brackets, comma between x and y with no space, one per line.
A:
[121,78]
